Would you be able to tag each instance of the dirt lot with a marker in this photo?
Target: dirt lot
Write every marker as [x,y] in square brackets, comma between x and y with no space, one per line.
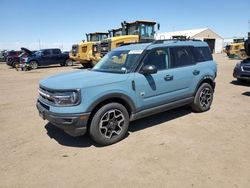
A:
[178,148]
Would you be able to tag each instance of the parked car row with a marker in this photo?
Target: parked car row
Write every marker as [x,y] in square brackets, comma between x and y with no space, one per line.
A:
[26,58]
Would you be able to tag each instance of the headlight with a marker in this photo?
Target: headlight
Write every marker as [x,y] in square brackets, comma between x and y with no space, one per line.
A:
[67,98]
[61,98]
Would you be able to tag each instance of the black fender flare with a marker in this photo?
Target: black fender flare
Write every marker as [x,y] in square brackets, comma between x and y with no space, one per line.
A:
[111,96]
[206,77]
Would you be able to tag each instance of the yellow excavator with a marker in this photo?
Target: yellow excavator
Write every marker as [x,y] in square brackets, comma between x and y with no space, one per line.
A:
[130,32]
[83,52]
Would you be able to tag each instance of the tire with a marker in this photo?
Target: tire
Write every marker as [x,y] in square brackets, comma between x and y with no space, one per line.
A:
[109,124]
[203,98]
[242,55]
[63,64]
[68,62]
[87,65]
[33,65]
[15,64]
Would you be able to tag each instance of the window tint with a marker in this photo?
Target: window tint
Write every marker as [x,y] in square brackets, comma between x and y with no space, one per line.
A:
[46,52]
[56,51]
[181,56]
[159,58]
[202,54]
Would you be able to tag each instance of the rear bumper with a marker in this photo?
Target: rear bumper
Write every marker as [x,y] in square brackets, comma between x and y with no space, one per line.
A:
[72,124]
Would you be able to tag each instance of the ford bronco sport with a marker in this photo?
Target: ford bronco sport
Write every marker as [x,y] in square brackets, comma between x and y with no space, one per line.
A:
[129,83]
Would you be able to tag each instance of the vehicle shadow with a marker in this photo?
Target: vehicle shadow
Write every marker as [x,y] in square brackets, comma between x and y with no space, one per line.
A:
[53,66]
[247,93]
[235,82]
[159,118]
[85,141]
[66,140]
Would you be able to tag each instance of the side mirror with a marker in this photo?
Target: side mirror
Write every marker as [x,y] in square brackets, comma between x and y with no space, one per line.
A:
[158,26]
[149,69]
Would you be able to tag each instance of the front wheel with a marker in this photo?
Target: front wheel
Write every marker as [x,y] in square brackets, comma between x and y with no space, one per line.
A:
[109,124]
[203,98]
[33,64]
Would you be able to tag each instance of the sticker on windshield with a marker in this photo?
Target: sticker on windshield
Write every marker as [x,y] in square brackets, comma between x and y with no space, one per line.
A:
[135,51]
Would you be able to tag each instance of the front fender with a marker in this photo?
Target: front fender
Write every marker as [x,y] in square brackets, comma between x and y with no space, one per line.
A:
[111,96]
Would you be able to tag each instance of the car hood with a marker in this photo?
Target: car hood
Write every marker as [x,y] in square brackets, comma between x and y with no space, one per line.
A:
[27,51]
[81,79]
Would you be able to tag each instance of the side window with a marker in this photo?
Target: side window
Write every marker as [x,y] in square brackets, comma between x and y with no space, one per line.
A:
[181,56]
[159,58]
[46,52]
[202,54]
[56,51]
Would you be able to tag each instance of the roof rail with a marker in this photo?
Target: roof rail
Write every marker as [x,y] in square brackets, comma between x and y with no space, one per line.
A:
[126,44]
[163,40]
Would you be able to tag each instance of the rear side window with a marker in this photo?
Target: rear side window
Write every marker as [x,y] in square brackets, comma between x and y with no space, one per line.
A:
[56,51]
[46,52]
[181,56]
[202,54]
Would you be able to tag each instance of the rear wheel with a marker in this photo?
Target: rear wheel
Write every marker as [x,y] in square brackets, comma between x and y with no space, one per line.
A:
[109,124]
[243,55]
[203,98]
[88,64]
[33,64]
[69,62]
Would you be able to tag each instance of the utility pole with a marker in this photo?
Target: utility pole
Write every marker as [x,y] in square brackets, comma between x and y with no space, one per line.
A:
[39,44]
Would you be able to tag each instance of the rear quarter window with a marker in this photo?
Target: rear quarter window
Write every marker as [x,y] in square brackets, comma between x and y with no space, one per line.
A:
[202,54]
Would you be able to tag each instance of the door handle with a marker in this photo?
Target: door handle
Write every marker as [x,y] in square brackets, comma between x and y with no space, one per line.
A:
[196,72]
[168,77]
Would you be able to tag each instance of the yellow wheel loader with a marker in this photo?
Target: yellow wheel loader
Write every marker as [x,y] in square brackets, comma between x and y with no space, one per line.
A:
[133,32]
[84,50]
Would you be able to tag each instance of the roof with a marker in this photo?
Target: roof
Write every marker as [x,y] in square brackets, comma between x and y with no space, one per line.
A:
[152,45]
[97,33]
[193,33]
[143,21]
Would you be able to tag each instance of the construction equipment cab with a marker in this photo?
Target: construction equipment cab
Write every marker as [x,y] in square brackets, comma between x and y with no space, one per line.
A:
[133,32]
[84,51]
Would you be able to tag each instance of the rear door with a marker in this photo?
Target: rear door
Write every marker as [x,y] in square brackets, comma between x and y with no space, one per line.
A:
[56,56]
[183,69]
[46,57]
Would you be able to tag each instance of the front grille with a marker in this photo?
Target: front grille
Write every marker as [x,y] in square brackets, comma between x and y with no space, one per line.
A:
[46,95]
[246,68]
[105,47]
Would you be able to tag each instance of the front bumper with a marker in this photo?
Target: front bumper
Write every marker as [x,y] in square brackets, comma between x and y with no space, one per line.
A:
[238,73]
[72,124]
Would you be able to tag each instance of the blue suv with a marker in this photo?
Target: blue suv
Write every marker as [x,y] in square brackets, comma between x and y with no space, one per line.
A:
[129,83]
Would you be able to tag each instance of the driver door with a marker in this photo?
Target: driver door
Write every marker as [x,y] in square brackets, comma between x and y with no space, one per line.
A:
[153,89]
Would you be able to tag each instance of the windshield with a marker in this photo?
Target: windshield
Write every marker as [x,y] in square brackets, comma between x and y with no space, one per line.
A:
[118,61]
[146,30]
[39,52]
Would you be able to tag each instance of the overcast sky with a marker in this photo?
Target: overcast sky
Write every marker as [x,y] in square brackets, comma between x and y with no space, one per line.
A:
[60,23]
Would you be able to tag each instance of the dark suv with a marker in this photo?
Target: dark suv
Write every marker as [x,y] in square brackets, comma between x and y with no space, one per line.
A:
[242,69]
[47,57]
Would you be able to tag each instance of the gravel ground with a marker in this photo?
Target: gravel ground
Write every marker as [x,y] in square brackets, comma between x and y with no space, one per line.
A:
[177,148]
